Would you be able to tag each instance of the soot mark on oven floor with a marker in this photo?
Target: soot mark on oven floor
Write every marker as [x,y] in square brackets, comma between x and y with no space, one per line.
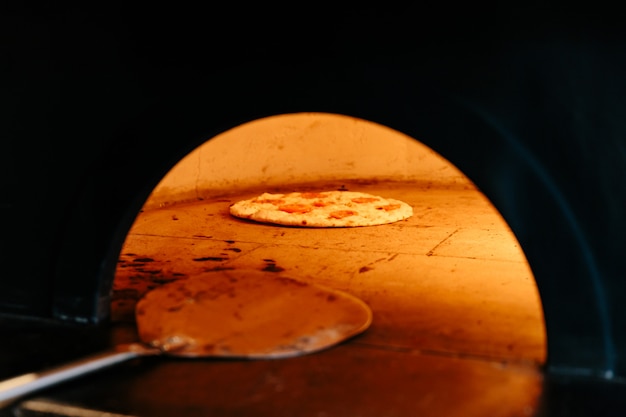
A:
[149,271]
[135,276]
[143,260]
[270,266]
[211,259]
[219,268]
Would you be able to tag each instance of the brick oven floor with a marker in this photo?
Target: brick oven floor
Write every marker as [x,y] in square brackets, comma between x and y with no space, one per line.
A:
[451,280]
[457,330]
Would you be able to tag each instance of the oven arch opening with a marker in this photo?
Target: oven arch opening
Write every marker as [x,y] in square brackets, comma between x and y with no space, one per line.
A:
[576,282]
[452,281]
[485,145]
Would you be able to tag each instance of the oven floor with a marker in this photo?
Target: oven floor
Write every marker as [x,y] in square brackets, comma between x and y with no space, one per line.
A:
[457,330]
[450,280]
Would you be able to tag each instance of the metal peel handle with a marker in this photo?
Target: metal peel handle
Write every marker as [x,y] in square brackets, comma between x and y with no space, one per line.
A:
[14,388]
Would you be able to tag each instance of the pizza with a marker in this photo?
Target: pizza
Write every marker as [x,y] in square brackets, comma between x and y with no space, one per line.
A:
[322,209]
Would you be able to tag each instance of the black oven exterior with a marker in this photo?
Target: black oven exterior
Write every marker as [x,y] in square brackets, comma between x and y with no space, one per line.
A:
[99,105]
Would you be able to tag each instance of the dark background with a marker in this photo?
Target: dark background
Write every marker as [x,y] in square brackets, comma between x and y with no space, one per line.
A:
[528,100]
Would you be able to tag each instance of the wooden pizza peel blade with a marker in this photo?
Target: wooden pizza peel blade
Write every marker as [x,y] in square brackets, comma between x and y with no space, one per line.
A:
[235,314]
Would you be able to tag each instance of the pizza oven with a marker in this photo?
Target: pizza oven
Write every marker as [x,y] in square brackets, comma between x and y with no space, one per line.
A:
[128,136]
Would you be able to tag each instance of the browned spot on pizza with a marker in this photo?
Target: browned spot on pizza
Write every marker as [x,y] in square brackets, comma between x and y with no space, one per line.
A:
[312,195]
[275,201]
[295,208]
[320,204]
[340,214]
[389,207]
[364,199]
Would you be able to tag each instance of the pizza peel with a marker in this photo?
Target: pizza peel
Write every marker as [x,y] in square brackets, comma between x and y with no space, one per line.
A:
[227,314]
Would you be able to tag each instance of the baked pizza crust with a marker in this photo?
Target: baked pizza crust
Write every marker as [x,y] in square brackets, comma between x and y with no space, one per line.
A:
[322,209]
